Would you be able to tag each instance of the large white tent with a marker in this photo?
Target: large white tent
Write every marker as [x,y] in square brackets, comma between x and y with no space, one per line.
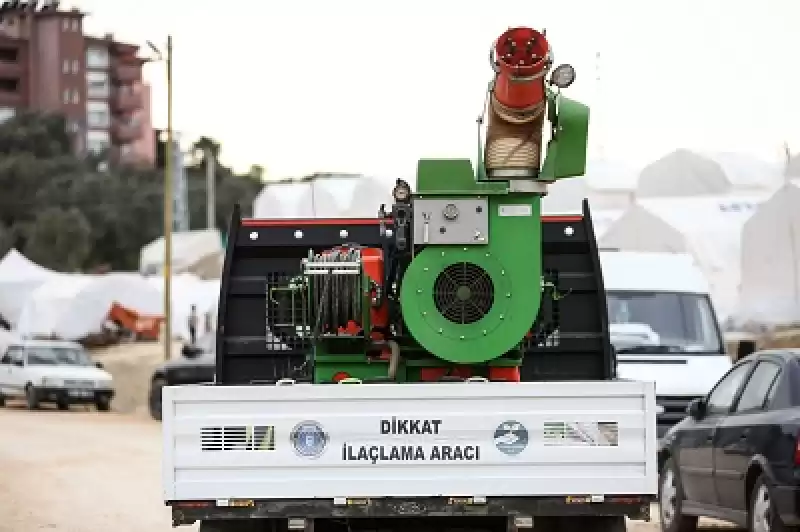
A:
[608,185]
[199,252]
[603,220]
[324,196]
[709,228]
[188,290]
[19,277]
[770,260]
[747,174]
[792,169]
[684,173]
[75,306]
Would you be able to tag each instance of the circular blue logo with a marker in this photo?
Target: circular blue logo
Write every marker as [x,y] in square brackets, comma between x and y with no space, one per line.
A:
[309,439]
[511,437]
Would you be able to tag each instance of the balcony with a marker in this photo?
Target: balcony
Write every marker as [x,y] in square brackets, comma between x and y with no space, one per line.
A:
[123,133]
[11,99]
[125,72]
[124,101]
[10,69]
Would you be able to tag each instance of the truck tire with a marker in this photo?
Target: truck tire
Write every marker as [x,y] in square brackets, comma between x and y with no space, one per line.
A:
[611,523]
[154,397]
[670,501]
[589,523]
[103,403]
[238,525]
[31,397]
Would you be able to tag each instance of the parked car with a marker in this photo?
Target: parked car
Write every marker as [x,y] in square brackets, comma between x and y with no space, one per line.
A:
[41,371]
[195,365]
[736,456]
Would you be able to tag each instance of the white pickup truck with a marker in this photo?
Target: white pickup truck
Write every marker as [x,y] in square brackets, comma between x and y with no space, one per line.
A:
[570,446]
[664,327]
[473,448]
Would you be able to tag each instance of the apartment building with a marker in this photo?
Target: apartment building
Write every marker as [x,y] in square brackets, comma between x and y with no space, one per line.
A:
[48,64]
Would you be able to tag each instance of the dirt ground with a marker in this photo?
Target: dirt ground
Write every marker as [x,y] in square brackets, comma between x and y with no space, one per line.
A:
[132,367]
[80,471]
[86,471]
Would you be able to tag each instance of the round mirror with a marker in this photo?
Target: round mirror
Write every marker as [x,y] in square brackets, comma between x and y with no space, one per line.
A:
[563,76]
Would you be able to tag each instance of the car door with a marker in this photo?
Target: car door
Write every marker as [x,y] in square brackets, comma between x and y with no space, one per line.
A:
[695,440]
[735,441]
[17,374]
[5,373]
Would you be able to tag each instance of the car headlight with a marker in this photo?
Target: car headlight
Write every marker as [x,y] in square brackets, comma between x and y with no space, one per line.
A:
[104,384]
[49,382]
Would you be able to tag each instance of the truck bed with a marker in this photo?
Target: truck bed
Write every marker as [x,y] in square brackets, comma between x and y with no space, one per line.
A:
[473,439]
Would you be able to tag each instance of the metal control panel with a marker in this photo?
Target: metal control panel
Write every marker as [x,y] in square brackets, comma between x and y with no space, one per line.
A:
[452,221]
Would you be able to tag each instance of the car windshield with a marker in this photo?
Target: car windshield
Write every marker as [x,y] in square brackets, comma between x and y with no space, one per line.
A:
[662,322]
[55,356]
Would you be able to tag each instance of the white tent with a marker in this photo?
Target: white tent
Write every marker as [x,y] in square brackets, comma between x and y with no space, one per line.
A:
[15,265]
[6,339]
[324,196]
[608,185]
[747,174]
[770,260]
[199,252]
[19,277]
[709,228]
[602,220]
[75,306]
[565,196]
[684,173]
[188,290]
[792,169]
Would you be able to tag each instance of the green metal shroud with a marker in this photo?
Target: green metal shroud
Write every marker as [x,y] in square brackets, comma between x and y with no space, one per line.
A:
[515,269]
[512,258]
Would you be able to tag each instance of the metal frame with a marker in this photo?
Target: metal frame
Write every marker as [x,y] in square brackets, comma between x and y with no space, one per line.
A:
[263,251]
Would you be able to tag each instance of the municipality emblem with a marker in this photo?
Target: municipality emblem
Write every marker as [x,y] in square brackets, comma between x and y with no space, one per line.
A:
[309,439]
[511,437]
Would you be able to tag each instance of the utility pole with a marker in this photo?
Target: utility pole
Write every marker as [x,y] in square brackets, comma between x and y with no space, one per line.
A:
[168,200]
[211,193]
[180,218]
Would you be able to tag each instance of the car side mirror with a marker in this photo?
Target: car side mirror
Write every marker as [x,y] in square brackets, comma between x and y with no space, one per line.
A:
[744,349]
[697,409]
[20,363]
[191,351]
[99,365]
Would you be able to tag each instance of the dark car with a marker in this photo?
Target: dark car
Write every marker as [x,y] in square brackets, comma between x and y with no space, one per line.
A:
[195,365]
[736,456]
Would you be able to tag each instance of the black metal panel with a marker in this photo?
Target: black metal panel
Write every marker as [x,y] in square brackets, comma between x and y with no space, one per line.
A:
[579,346]
[260,255]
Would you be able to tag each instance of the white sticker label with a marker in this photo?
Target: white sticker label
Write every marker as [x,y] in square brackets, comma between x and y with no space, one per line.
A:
[515,210]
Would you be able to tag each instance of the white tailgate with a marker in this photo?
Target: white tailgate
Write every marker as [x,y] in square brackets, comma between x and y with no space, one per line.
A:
[470,439]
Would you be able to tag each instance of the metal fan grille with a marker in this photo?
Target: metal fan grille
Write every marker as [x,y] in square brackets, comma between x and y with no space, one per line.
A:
[463,293]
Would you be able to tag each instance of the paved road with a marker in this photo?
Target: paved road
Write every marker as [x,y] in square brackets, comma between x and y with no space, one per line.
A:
[83,471]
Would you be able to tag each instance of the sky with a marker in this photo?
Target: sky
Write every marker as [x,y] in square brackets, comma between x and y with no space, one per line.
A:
[369,87]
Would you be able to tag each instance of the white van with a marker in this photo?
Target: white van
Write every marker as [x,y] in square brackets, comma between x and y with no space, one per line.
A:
[664,328]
